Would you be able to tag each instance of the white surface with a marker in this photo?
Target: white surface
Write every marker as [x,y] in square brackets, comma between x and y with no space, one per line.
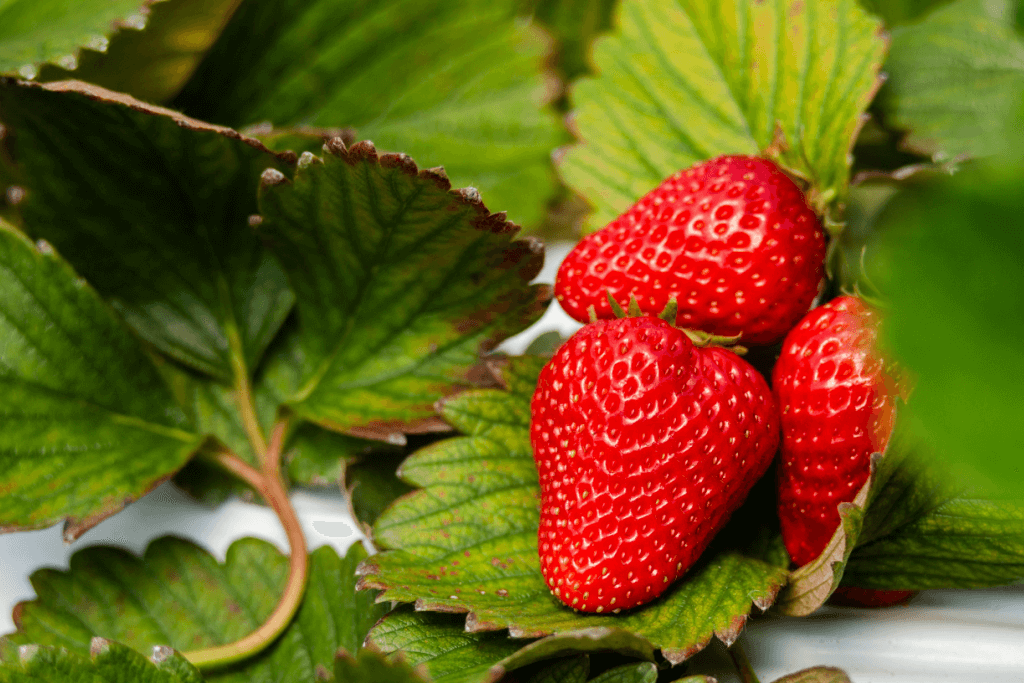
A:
[940,637]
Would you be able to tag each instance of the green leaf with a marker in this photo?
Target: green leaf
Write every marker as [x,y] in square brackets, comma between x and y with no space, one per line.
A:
[467,541]
[573,670]
[33,32]
[574,24]
[89,425]
[154,63]
[108,662]
[950,265]
[179,595]
[817,674]
[152,209]
[401,284]
[370,666]
[631,673]
[439,644]
[685,81]
[895,12]
[372,486]
[955,78]
[452,83]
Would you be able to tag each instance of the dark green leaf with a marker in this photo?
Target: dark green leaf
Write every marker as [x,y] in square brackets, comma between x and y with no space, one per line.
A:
[152,64]
[631,673]
[450,654]
[817,674]
[439,645]
[689,80]
[108,662]
[152,209]
[370,666]
[468,540]
[401,285]
[373,485]
[895,12]
[955,78]
[574,24]
[452,83]
[593,640]
[573,670]
[178,595]
[34,32]
[89,425]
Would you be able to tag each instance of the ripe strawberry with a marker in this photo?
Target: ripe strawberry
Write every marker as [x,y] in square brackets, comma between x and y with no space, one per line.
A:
[848,596]
[731,239]
[837,409]
[645,444]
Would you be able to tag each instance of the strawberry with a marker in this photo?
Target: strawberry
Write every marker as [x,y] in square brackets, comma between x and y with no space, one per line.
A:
[838,408]
[731,239]
[645,444]
[848,596]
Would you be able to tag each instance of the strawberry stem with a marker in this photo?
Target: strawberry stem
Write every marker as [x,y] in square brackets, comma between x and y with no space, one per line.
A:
[742,664]
[269,483]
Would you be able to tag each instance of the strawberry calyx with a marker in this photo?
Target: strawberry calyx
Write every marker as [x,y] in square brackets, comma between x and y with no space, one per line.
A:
[699,338]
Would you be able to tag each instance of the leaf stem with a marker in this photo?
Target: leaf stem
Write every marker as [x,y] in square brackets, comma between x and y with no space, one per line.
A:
[243,394]
[247,408]
[269,484]
[742,664]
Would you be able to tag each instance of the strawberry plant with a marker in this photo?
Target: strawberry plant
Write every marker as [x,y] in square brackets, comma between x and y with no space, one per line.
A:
[212,277]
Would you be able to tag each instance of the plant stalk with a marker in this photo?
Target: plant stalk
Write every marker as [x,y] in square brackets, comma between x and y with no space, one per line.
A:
[269,484]
[243,394]
[742,664]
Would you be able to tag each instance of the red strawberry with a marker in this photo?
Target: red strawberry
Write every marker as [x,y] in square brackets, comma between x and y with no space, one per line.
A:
[837,409]
[645,444]
[848,596]
[731,239]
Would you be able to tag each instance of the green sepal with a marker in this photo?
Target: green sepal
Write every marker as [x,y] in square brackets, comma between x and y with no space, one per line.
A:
[669,313]
[616,308]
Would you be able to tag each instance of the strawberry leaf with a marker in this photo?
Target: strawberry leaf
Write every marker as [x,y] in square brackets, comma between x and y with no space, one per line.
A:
[107,662]
[372,486]
[89,425]
[817,674]
[439,644]
[371,666]
[644,672]
[34,33]
[467,541]
[457,84]
[154,63]
[574,24]
[178,595]
[152,209]
[567,670]
[958,54]
[895,12]
[686,81]
[401,285]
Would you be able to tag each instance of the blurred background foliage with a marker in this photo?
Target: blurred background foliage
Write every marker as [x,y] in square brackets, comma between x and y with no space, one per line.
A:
[484,87]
